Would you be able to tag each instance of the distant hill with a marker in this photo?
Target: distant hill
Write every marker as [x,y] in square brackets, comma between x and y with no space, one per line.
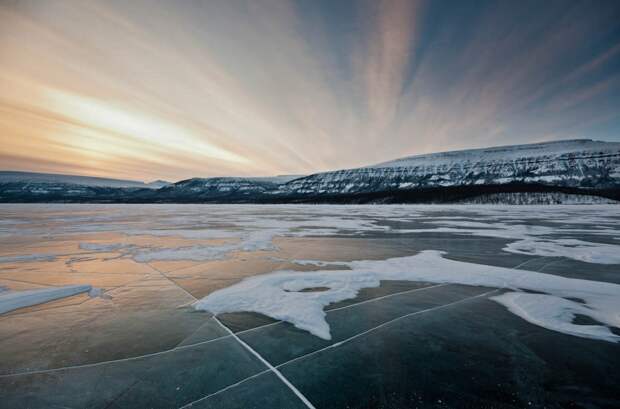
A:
[52,178]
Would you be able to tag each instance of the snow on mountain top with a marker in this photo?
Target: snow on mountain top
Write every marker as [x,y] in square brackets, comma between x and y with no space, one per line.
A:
[509,152]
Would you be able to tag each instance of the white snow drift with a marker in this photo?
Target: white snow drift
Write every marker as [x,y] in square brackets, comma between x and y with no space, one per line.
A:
[278,295]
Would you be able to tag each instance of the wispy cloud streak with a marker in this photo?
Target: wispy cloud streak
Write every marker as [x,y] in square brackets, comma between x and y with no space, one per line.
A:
[154,89]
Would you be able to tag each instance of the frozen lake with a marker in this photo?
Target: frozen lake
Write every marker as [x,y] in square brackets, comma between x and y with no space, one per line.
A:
[241,306]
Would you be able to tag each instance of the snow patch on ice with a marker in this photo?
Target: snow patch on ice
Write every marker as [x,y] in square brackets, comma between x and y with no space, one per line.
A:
[27,258]
[104,248]
[278,295]
[571,248]
[248,241]
[12,300]
[554,313]
[317,263]
[534,239]
[194,253]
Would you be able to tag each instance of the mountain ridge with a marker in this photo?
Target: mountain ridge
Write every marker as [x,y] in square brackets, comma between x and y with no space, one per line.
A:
[574,163]
[35,177]
[572,167]
[560,146]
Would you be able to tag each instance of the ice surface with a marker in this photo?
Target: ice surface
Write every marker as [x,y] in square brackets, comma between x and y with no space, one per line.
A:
[252,228]
[551,231]
[246,241]
[279,296]
[254,231]
[52,349]
[12,300]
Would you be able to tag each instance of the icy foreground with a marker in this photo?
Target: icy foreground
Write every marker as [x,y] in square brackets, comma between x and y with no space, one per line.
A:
[278,295]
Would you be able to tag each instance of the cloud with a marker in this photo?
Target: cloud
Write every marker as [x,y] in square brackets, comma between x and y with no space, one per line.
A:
[135,126]
[154,89]
[387,57]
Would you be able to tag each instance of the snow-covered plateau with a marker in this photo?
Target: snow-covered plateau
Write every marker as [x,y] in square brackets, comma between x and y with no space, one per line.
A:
[574,163]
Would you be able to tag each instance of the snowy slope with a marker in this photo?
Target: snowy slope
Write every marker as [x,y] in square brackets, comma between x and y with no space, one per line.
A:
[574,163]
[549,150]
[239,188]
[224,185]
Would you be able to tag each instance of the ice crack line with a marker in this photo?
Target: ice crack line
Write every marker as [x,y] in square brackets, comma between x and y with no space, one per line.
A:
[94,364]
[180,347]
[385,296]
[337,344]
[232,385]
[340,343]
[271,367]
[172,281]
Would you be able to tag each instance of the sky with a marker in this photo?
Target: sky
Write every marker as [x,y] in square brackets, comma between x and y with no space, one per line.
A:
[169,90]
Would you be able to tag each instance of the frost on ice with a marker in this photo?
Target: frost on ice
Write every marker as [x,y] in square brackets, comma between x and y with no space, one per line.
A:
[278,294]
